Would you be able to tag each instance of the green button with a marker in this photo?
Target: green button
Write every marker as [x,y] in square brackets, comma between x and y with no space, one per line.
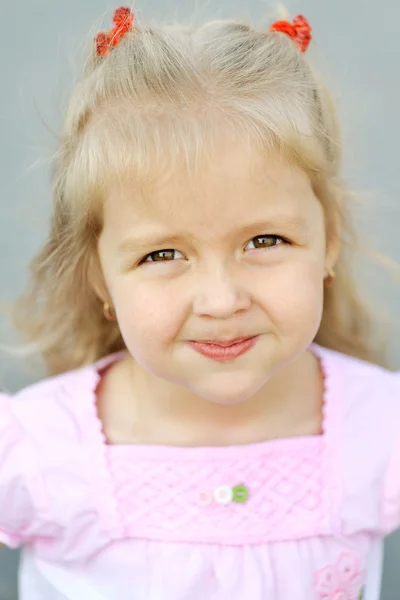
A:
[240,493]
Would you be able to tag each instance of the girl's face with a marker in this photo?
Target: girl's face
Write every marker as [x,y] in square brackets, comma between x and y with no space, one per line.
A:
[236,251]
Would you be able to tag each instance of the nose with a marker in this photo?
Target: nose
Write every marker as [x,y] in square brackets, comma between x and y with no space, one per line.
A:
[220,296]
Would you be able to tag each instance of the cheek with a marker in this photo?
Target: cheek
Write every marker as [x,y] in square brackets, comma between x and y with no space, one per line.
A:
[295,295]
[147,315]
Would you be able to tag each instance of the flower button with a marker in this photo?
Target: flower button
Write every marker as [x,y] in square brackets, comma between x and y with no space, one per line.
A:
[223,495]
[240,493]
[204,499]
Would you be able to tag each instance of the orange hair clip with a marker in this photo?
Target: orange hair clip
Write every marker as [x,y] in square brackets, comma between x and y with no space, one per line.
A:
[299,30]
[123,22]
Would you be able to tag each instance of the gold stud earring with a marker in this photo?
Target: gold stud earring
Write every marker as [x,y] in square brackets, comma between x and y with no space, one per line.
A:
[109,312]
[329,278]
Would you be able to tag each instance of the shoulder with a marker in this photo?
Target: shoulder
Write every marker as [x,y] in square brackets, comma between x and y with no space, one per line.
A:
[70,393]
[363,400]
[59,408]
[350,365]
[61,412]
[363,432]
[56,405]
[48,434]
[358,381]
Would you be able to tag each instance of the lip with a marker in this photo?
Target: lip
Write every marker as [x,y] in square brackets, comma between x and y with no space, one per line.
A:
[226,343]
[224,350]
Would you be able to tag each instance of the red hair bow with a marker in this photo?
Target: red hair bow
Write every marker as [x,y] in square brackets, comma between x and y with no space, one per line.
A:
[299,30]
[123,22]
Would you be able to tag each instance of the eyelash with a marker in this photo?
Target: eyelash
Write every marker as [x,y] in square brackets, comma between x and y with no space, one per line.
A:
[275,237]
[282,241]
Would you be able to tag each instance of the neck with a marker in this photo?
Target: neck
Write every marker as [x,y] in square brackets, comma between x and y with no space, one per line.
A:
[289,404]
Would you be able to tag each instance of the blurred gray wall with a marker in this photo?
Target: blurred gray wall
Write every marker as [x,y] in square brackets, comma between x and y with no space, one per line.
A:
[41,40]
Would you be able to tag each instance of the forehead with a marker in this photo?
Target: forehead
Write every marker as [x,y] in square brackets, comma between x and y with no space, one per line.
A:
[233,184]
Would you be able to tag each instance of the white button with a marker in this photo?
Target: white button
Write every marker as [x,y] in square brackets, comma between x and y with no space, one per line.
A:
[223,494]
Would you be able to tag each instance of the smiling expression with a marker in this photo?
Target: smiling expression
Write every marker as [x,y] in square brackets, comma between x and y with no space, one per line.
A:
[196,264]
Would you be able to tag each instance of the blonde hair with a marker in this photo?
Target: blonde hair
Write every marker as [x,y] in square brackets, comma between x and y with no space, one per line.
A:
[172,92]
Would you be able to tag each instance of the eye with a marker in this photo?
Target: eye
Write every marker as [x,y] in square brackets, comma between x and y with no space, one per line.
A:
[166,255]
[264,241]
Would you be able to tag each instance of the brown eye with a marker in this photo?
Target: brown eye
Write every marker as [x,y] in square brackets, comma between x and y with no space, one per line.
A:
[162,256]
[264,241]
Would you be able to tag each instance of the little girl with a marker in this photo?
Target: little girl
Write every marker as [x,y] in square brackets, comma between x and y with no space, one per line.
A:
[214,427]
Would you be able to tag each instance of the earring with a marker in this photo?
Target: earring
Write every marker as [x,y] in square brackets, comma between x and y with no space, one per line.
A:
[329,279]
[109,312]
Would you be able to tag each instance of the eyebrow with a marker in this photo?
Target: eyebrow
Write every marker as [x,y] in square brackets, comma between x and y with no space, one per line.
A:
[142,243]
[289,224]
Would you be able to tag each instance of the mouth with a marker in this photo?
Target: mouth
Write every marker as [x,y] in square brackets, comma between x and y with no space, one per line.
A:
[225,343]
[224,350]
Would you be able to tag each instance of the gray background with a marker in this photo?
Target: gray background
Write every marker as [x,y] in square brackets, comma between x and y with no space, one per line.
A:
[41,42]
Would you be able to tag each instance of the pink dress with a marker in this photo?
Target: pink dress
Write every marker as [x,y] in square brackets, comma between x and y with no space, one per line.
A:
[290,519]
